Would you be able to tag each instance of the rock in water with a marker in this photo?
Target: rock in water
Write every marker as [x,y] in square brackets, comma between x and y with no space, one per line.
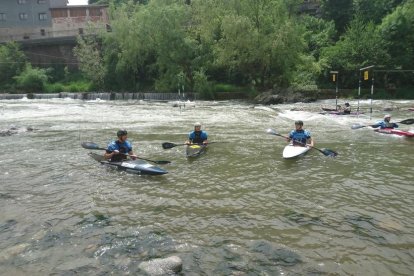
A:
[166,266]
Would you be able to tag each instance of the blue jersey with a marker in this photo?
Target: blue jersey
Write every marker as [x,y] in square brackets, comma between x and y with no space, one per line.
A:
[197,137]
[300,136]
[384,124]
[124,147]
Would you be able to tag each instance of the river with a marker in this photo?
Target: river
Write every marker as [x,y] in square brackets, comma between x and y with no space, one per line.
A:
[240,209]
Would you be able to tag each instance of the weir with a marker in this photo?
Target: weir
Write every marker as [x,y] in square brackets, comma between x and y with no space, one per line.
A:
[152,96]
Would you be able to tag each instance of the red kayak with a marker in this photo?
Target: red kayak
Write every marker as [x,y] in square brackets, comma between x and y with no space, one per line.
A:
[395,132]
[411,109]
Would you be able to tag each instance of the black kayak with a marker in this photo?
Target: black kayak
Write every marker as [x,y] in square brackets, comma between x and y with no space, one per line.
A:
[137,166]
[195,150]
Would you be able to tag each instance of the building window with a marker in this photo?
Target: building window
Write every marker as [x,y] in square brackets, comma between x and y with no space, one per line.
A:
[3,17]
[42,32]
[21,2]
[41,1]
[23,16]
[81,31]
[42,16]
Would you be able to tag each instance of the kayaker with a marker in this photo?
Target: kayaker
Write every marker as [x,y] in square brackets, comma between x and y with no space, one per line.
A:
[197,136]
[119,149]
[300,136]
[386,123]
[347,109]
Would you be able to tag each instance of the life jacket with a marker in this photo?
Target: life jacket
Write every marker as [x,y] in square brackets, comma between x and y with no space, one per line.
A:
[300,136]
[197,137]
[122,149]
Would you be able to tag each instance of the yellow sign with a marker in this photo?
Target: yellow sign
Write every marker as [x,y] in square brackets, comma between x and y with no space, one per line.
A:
[334,77]
[366,75]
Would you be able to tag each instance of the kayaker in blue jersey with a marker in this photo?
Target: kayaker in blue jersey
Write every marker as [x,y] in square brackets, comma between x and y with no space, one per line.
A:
[197,136]
[386,123]
[119,149]
[300,136]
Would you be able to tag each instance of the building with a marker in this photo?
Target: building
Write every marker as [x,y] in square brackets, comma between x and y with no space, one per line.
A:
[22,20]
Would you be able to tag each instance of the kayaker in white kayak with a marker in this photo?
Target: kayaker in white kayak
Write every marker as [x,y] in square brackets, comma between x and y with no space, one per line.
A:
[386,123]
[300,136]
[197,136]
[119,149]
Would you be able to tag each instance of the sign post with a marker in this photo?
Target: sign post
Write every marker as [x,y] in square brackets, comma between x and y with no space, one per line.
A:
[335,79]
[366,71]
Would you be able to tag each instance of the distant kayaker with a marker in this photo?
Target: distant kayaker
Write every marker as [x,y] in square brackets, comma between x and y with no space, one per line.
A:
[386,123]
[197,136]
[347,109]
[300,136]
[119,149]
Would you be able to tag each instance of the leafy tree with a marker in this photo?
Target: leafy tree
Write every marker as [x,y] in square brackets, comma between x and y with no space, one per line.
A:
[340,11]
[12,62]
[374,10]
[398,30]
[32,79]
[361,45]
[90,59]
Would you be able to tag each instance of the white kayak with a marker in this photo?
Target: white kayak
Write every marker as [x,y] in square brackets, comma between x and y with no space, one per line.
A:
[291,151]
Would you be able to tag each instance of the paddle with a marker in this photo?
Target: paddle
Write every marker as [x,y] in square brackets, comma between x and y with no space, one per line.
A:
[326,152]
[93,146]
[168,145]
[405,122]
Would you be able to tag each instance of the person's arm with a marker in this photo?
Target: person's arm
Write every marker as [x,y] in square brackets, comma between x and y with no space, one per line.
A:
[205,138]
[310,141]
[190,139]
[395,125]
[378,124]
[132,155]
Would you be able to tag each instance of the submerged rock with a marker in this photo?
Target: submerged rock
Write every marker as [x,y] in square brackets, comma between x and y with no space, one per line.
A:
[166,266]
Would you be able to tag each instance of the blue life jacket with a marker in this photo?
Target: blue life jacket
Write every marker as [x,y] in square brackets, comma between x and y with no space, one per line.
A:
[197,137]
[384,124]
[124,147]
[300,136]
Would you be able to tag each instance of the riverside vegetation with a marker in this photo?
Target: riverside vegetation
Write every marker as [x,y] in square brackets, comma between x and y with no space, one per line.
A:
[248,46]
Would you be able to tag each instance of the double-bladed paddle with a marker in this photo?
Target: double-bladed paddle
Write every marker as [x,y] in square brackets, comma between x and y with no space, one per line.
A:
[94,146]
[326,152]
[168,145]
[405,122]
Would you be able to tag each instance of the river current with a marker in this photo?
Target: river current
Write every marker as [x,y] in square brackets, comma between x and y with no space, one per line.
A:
[240,209]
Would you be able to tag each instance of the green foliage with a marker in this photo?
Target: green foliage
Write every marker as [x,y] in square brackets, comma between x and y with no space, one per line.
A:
[32,79]
[12,62]
[398,30]
[339,11]
[91,61]
[202,86]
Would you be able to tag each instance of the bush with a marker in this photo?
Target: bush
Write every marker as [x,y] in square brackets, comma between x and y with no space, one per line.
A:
[32,79]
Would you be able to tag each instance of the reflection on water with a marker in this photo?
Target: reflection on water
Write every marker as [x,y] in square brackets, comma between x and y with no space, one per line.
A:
[240,209]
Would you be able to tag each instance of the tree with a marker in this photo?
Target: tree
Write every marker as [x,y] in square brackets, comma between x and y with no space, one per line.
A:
[340,11]
[398,30]
[32,79]
[12,62]
[360,46]
[90,59]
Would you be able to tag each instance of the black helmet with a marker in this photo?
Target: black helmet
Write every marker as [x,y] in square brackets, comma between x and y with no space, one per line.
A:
[299,122]
[121,132]
[347,104]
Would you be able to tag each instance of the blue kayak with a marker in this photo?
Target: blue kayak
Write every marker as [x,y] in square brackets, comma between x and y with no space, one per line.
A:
[137,166]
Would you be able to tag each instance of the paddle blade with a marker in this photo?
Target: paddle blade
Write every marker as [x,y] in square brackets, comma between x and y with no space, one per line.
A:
[356,126]
[168,145]
[90,145]
[407,122]
[328,152]
[271,131]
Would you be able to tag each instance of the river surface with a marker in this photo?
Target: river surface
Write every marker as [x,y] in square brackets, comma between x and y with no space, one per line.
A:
[240,209]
